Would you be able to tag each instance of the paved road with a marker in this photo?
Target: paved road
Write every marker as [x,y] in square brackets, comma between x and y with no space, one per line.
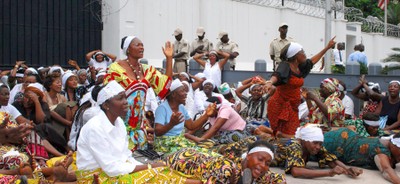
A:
[368,176]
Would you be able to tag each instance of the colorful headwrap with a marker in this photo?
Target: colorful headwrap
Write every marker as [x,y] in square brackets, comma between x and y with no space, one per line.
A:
[224,88]
[332,85]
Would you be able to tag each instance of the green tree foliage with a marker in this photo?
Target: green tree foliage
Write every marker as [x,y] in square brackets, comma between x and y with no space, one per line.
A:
[370,7]
[394,57]
[393,15]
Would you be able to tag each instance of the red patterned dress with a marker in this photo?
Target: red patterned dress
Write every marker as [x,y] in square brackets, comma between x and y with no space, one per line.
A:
[283,107]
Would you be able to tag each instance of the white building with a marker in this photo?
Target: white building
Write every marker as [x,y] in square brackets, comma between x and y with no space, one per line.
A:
[251,26]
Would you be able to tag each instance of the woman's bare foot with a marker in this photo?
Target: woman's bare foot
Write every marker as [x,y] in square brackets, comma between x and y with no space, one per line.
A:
[60,170]
[265,129]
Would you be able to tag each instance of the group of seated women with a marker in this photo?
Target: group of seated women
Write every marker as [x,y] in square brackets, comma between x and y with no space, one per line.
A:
[84,126]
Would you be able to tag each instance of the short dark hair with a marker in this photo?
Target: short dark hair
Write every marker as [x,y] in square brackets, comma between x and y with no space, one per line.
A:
[370,116]
[95,92]
[122,42]
[48,81]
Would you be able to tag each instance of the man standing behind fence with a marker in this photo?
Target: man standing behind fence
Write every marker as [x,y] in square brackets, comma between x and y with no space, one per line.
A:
[181,52]
[229,47]
[201,44]
[339,58]
[278,43]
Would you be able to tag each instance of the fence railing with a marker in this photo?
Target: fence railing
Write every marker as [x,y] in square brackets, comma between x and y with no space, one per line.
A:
[370,24]
[316,8]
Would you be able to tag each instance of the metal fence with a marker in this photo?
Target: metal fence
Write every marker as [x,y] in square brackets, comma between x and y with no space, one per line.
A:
[47,32]
[370,24]
[316,8]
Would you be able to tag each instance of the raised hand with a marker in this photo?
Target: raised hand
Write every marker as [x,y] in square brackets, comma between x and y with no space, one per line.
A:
[223,54]
[168,49]
[72,62]
[33,96]
[331,42]
[211,109]
[19,63]
[176,118]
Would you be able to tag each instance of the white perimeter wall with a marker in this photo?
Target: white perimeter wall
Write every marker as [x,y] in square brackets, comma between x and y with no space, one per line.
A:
[252,27]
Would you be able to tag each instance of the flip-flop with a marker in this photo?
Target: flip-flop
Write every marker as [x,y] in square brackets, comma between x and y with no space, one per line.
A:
[247,176]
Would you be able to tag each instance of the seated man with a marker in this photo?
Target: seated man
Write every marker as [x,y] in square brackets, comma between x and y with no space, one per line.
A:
[295,154]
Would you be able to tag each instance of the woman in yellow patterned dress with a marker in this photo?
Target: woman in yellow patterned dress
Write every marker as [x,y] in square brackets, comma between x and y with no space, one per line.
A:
[230,167]
[136,78]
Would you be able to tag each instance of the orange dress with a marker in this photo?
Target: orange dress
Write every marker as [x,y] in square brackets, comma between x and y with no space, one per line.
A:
[283,106]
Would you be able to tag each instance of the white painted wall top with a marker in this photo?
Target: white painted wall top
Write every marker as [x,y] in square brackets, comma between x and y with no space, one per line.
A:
[252,27]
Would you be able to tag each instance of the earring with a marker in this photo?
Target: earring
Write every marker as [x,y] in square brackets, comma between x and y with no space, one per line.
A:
[108,108]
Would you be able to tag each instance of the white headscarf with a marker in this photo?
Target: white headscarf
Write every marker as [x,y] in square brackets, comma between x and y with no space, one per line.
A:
[394,81]
[310,132]
[53,68]
[185,74]
[395,141]
[127,41]
[209,81]
[110,90]
[34,71]
[259,149]
[175,85]
[293,49]
[372,123]
[66,76]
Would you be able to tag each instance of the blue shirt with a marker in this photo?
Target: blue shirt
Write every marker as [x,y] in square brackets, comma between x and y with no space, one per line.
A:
[163,116]
[358,56]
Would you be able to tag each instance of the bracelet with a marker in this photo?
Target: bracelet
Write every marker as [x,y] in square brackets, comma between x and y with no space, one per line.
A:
[16,66]
[268,81]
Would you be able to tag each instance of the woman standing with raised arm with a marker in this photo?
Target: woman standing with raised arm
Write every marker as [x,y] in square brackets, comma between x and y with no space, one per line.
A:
[136,78]
[289,78]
